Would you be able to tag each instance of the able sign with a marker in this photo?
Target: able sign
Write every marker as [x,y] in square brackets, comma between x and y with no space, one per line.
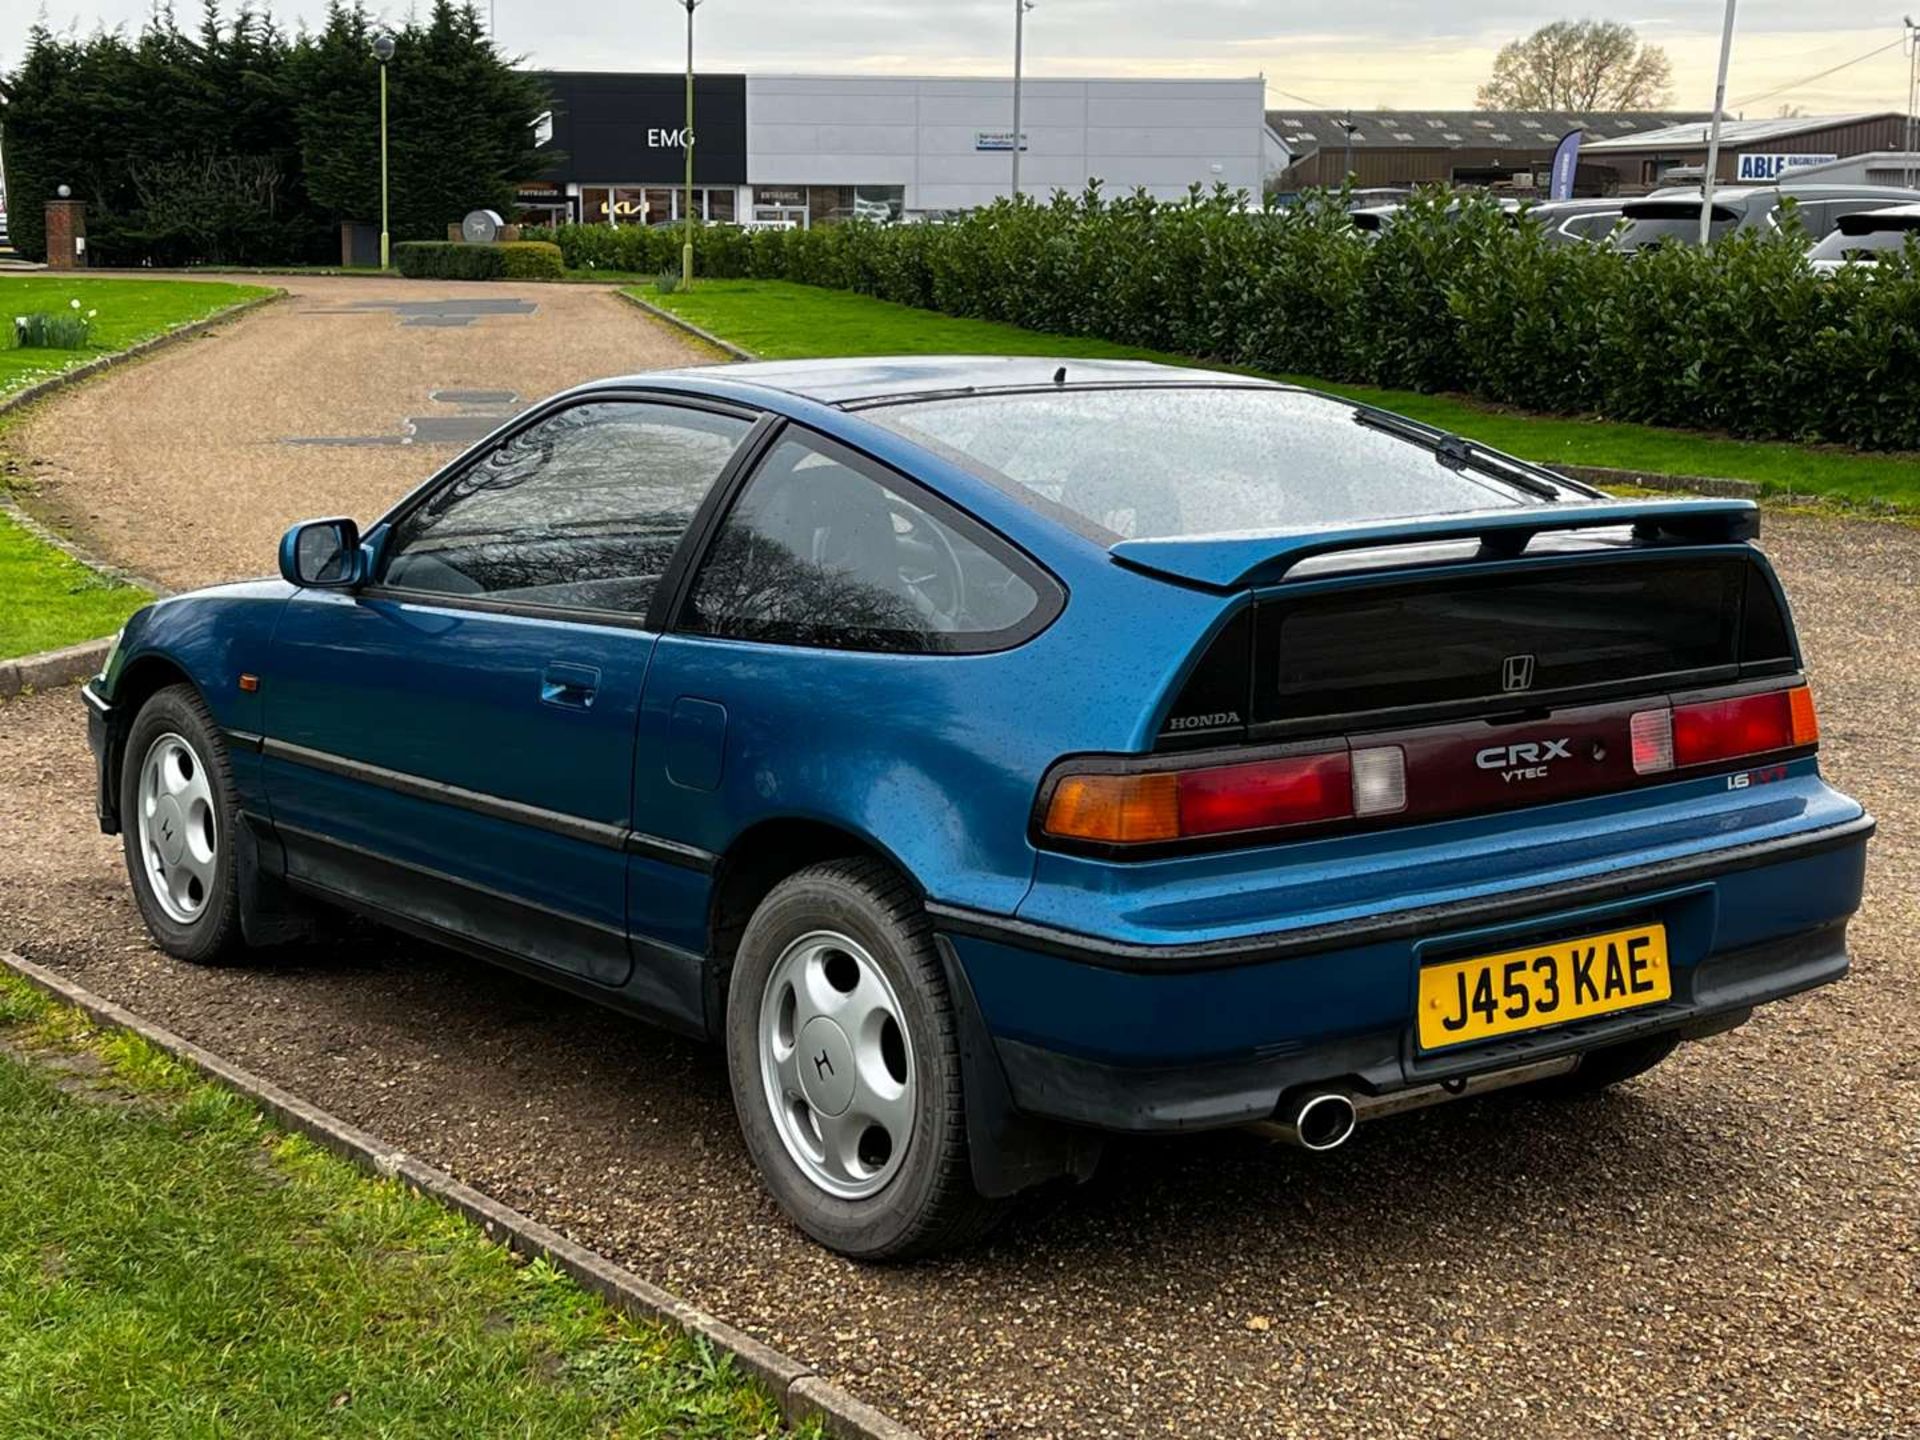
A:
[1765,169]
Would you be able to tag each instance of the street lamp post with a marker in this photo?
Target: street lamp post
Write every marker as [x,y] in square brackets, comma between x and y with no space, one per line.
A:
[1708,180]
[1913,91]
[1020,8]
[686,139]
[383,52]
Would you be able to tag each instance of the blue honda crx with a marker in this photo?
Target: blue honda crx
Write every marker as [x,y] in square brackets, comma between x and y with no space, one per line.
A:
[997,755]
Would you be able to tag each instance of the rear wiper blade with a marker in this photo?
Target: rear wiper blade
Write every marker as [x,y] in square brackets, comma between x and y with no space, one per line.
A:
[1457,452]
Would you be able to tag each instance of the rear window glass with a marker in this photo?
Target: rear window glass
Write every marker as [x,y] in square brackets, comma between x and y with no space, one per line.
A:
[1146,464]
[1674,221]
[1870,246]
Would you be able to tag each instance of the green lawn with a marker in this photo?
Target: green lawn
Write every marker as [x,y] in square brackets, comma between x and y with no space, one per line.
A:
[46,599]
[170,1266]
[129,311]
[785,321]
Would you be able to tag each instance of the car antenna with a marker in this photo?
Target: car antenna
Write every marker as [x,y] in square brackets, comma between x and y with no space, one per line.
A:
[1060,376]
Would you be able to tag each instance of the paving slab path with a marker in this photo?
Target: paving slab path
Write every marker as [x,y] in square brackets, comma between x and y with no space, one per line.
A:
[1727,1247]
[336,400]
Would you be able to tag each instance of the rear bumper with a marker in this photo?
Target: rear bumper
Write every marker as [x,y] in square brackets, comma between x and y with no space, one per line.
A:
[1103,1036]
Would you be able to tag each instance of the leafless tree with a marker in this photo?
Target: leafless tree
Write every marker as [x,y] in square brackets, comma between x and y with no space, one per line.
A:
[1579,65]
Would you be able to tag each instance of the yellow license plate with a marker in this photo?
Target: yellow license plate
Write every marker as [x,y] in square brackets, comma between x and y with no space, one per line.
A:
[1462,1001]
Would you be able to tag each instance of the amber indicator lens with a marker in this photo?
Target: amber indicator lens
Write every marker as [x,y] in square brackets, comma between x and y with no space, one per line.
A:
[1215,800]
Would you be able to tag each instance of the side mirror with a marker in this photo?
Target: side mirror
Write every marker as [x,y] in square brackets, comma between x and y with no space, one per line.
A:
[321,553]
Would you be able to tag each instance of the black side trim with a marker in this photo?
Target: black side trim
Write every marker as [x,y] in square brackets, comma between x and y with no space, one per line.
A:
[672,852]
[590,832]
[427,872]
[1308,940]
[667,984]
[245,739]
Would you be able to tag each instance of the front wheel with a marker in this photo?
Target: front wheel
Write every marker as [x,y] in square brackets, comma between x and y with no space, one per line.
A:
[845,1066]
[178,822]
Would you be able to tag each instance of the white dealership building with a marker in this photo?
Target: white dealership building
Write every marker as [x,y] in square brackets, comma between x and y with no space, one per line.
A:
[804,149]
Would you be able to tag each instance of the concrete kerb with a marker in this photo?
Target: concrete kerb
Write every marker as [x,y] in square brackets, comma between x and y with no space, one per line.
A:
[802,1395]
[51,668]
[706,337]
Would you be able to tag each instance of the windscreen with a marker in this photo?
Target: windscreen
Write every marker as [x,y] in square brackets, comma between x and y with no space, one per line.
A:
[1151,463]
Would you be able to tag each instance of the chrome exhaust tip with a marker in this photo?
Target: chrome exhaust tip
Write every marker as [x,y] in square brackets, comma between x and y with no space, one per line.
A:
[1315,1120]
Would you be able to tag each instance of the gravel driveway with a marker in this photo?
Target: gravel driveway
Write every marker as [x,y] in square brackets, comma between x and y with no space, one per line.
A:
[334,401]
[1727,1247]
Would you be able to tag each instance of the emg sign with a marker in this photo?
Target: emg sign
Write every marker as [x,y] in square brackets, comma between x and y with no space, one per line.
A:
[1765,169]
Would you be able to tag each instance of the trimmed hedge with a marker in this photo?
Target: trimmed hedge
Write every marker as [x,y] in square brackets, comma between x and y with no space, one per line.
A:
[1453,296]
[453,260]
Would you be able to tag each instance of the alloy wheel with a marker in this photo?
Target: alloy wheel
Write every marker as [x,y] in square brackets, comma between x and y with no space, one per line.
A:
[837,1064]
[179,832]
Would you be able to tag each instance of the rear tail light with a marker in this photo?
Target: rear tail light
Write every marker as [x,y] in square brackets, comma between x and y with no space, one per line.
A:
[1361,782]
[1715,730]
[1145,807]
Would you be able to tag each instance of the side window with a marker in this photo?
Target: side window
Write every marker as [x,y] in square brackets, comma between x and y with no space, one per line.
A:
[582,510]
[822,549]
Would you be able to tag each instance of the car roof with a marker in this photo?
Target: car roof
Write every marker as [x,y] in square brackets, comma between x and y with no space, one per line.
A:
[1736,194]
[1891,214]
[1583,206]
[860,379]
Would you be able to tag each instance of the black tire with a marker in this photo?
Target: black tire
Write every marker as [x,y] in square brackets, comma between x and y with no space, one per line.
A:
[212,937]
[930,1204]
[1604,1068]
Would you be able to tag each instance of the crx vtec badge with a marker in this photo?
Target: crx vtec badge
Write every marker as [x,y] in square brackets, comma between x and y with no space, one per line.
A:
[1516,673]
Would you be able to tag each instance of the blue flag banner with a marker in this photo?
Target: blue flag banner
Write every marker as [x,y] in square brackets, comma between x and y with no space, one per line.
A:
[1564,161]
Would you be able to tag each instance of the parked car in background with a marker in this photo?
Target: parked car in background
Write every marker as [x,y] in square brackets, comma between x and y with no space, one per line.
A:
[1671,217]
[1862,239]
[1370,220]
[1572,222]
[996,755]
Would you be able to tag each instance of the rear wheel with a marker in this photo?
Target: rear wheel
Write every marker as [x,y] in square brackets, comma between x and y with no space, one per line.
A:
[1601,1069]
[845,1066]
[178,821]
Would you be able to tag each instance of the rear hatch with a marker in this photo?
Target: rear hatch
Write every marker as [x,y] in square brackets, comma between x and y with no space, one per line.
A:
[1480,663]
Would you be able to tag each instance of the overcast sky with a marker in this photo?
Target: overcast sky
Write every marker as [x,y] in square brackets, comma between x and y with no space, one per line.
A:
[1322,52]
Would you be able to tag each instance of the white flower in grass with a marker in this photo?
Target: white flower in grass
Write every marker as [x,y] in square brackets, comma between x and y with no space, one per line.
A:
[74,303]
[92,313]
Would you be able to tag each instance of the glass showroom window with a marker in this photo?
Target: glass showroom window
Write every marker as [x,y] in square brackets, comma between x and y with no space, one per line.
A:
[652,205]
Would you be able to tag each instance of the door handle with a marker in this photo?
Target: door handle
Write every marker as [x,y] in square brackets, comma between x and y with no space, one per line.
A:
[569,686]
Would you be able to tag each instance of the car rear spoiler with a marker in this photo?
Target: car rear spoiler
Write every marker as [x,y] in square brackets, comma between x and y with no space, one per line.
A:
[1233,562]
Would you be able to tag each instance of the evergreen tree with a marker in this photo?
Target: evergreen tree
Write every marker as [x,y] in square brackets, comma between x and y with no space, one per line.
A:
[233,144]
